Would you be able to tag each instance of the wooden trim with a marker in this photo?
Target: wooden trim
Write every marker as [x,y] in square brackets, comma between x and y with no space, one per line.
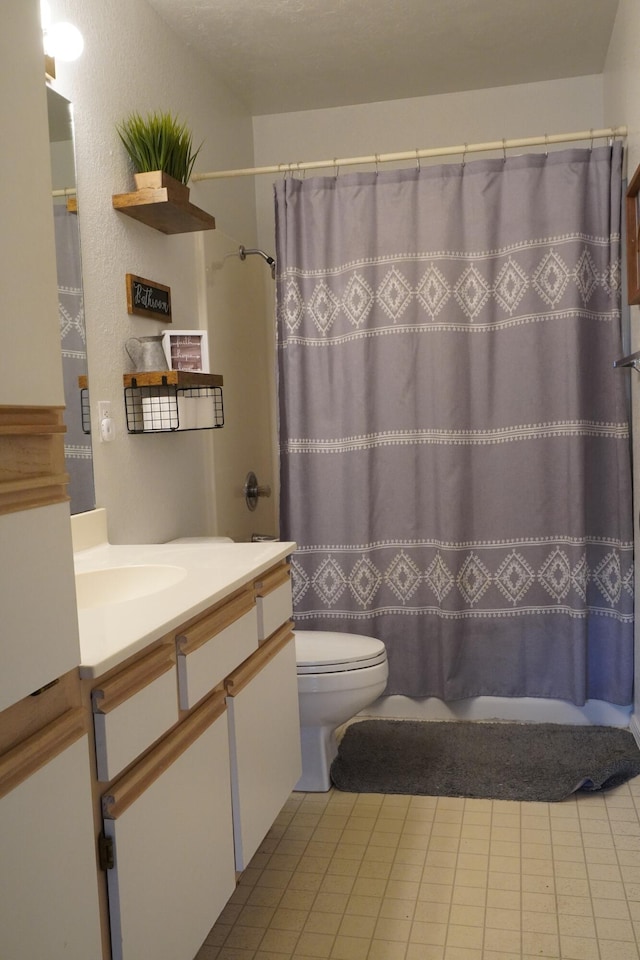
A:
[24,419]
[258,660]
[31,714]
[32,462]
[216,621]
[136,677]
[273,579]
[132,785]
[28,757]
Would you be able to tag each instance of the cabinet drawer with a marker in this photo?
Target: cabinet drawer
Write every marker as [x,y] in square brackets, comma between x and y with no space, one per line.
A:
[133,709]
[273,600]
[213,647]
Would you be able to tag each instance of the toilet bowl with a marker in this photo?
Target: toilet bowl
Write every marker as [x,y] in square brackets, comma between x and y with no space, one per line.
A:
[339,674]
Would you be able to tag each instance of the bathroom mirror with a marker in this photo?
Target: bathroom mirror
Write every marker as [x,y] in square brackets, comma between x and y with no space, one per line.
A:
[78,454]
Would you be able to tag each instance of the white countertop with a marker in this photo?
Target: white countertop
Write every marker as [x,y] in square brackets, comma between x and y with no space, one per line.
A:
[110,633]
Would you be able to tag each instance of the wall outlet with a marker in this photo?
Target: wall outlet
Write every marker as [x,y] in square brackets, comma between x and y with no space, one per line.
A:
[107,429]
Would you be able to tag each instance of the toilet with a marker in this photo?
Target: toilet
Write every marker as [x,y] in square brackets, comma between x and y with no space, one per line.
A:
[339,674]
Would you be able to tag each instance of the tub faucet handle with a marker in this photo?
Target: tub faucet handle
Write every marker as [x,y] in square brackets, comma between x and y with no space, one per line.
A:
[253,490]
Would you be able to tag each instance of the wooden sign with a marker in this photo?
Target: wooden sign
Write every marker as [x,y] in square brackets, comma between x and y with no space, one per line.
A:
[148,299]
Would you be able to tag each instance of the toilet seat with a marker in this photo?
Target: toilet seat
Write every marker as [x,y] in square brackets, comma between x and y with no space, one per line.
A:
[319,651]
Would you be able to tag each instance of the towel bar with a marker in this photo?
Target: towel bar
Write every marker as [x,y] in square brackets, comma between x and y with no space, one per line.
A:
[633,360]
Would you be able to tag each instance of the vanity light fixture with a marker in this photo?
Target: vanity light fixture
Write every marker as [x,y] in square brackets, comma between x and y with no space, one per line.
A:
[61,40]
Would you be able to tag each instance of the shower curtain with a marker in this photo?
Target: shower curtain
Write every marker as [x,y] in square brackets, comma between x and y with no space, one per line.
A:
[454,437]
[77,445]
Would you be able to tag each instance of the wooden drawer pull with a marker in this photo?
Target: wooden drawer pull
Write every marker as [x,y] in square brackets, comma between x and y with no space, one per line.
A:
[272,579]
[132,679]
[245,673]
[128,788]
[23,760]
[215,622]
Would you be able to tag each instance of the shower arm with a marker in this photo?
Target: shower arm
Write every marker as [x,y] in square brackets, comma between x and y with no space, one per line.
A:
[243,253]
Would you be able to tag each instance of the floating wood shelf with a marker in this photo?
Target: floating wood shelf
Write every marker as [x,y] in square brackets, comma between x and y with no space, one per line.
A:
[164,209]
[172,378]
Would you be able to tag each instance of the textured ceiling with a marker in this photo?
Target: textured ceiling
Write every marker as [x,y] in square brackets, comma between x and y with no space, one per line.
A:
[285,55]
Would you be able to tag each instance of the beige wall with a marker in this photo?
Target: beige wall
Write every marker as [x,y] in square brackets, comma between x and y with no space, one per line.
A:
[154,487]
[448,119]
[621,83]
[236,293]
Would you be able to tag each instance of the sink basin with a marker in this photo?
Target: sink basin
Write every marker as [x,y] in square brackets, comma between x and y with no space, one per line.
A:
[97,588]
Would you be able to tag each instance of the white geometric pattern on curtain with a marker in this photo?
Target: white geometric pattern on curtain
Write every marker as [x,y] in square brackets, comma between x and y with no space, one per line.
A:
[454,437]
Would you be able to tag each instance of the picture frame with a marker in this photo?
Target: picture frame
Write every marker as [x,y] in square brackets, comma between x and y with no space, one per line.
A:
[186,350]
[632,204]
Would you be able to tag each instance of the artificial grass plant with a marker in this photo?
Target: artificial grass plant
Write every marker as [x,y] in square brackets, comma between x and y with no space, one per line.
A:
[159,142]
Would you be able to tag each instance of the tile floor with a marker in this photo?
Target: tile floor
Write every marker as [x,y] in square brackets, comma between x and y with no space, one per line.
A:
[369,877]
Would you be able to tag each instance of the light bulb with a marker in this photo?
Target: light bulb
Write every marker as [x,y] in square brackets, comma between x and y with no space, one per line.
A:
[63,41]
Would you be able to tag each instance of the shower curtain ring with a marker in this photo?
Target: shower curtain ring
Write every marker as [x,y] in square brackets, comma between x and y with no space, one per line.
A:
[464,155]
[591,132]
[337,166]
[417,159]
[377,158]
[546,145]
[504,150]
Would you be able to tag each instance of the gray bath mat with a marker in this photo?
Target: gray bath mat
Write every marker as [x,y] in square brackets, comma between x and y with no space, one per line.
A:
[500,761]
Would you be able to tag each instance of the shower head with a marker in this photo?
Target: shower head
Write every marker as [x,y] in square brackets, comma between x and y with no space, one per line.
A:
[243,253]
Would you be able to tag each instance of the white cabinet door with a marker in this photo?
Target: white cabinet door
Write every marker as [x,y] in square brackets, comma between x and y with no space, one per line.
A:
[48,873]
[265,741]
[170,820]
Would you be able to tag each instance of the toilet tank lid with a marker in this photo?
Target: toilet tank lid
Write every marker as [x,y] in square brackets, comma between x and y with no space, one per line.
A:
[328,647]
[202,540]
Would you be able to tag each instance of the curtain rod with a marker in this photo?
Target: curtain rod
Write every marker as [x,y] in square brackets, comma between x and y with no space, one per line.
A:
[417,155]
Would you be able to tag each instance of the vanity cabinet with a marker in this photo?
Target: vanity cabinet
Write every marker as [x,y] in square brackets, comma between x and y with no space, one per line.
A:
[48,886]
[197,747]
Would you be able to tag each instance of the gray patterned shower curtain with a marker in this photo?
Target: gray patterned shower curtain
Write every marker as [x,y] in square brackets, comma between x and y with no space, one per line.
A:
[454,437]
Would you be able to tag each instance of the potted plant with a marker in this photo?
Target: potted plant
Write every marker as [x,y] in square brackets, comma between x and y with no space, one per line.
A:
[161,150]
